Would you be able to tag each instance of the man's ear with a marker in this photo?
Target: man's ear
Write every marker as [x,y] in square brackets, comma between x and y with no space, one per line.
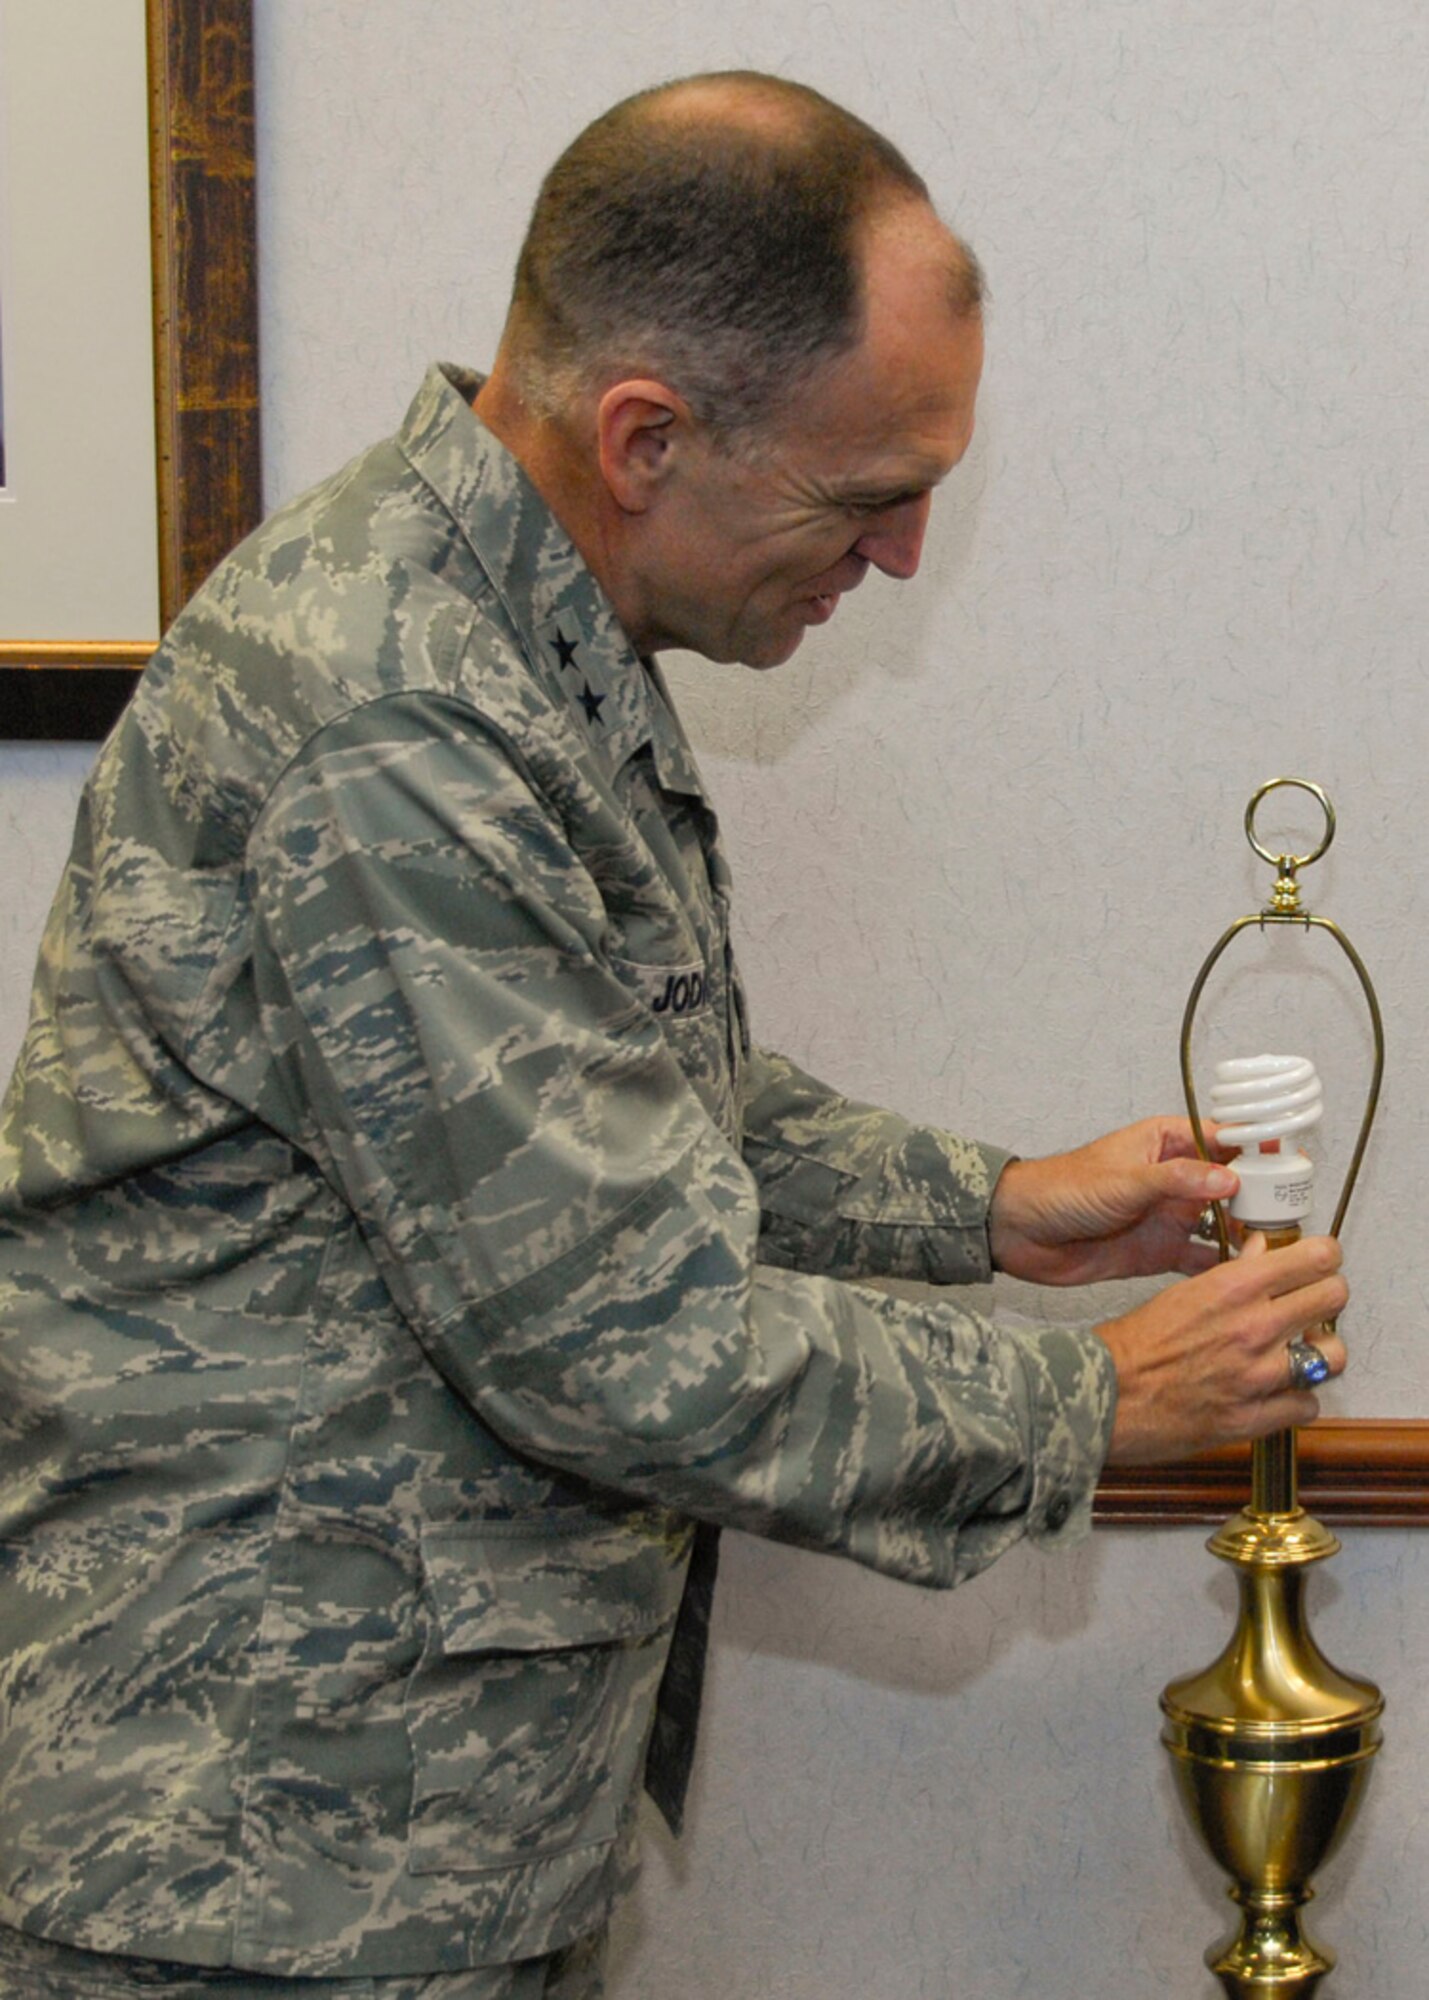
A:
[642,429]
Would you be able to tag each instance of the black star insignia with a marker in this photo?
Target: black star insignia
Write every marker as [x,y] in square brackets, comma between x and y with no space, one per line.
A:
[565,648]
[591,703]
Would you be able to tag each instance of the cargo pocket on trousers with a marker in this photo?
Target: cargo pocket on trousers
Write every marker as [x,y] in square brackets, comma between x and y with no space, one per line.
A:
[528,1713]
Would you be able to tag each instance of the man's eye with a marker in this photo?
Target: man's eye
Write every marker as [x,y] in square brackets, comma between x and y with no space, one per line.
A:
[879,503]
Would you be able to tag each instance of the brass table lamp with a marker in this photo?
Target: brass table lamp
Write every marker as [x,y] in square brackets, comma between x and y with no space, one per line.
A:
[1271,1745]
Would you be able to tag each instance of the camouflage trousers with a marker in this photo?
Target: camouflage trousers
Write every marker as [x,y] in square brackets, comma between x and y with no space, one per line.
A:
[35,1969]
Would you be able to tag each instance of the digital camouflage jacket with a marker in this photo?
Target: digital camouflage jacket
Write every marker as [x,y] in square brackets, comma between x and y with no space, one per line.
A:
[401,1250]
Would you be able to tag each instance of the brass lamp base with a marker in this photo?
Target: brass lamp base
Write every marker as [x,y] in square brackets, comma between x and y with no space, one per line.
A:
[1271,1745]
[1271,1748]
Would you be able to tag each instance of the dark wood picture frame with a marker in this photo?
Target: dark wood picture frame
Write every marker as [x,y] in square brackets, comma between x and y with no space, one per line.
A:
[205,285]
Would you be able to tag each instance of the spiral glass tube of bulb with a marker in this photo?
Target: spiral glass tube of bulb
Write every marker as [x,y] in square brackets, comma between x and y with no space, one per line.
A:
[1258,1102]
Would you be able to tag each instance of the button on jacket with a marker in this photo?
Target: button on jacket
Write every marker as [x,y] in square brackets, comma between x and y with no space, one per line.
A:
[402,1250]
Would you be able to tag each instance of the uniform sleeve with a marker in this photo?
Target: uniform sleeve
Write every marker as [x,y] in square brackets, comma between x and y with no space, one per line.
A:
[855,1192]
[568,1234]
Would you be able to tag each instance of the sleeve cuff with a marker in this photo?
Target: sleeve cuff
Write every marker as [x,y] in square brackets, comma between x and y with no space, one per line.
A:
[1071,1384]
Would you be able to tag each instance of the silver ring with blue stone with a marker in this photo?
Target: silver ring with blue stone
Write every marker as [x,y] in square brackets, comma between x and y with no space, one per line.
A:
[1308,1366]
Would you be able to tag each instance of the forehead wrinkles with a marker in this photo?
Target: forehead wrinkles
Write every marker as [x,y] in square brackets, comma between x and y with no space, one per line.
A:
[890,417]
[905,395]
[887,431]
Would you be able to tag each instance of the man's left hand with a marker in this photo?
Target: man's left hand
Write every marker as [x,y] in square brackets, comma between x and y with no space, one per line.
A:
[1122,1207]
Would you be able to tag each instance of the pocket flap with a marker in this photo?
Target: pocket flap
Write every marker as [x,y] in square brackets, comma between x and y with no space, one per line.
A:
[522,1586]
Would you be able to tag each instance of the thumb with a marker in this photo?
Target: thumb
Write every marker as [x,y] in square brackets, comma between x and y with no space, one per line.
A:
[1196,1180]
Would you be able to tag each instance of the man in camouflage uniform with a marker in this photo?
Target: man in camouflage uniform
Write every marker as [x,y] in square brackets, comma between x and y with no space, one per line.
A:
[409,1264]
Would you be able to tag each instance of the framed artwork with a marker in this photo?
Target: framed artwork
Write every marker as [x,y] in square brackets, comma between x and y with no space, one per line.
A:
[120,491]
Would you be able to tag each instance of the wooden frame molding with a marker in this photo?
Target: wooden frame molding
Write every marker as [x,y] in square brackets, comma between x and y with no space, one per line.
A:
[205,270]
[1367,1471]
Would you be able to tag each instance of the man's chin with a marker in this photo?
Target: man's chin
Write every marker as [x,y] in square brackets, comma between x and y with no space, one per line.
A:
[774,648]
[772,655]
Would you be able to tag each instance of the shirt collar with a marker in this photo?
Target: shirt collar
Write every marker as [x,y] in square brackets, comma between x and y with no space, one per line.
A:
[567,625]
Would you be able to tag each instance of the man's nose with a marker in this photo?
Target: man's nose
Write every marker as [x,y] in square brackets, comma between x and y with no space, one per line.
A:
[893,542]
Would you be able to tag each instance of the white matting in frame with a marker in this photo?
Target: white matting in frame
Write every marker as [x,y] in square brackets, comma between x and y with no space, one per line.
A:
[79,509]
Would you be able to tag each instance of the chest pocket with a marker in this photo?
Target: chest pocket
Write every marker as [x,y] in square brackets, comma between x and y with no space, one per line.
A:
[668,941]
[690,1002]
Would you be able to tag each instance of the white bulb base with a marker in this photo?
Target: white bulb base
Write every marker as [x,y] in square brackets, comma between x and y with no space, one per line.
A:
[1276,1189]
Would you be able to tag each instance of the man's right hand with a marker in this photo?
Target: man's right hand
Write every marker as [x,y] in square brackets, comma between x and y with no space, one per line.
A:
[1204,1362]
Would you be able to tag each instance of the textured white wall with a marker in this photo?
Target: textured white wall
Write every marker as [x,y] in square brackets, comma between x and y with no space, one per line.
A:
[985,827]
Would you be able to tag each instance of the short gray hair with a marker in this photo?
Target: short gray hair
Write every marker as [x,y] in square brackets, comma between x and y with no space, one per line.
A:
[706,233]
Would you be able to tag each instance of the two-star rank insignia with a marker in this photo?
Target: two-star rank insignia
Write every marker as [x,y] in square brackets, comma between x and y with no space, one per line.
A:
[565,651]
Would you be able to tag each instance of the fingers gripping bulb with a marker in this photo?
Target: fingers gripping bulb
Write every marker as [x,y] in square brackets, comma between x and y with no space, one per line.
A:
[1257,1102]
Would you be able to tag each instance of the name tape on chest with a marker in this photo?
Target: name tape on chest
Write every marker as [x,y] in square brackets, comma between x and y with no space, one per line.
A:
[672,992]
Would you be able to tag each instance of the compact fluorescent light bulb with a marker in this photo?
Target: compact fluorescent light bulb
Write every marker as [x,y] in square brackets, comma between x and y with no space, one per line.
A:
[1257,1102]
